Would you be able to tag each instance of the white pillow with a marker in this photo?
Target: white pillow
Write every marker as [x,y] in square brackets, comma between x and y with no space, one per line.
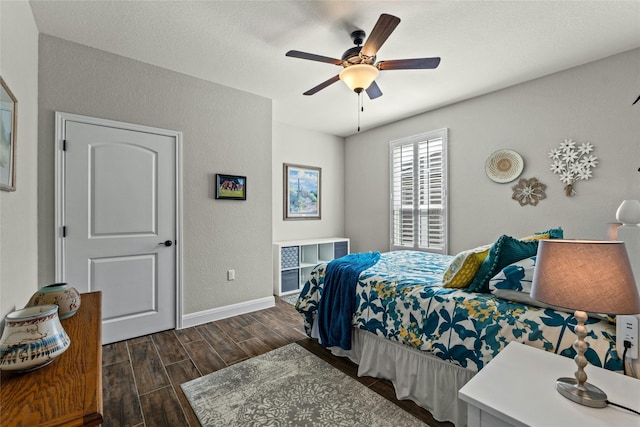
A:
[514,277]
[513,283]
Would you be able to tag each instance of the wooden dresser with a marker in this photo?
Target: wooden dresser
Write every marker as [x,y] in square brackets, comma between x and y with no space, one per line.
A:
[68,391]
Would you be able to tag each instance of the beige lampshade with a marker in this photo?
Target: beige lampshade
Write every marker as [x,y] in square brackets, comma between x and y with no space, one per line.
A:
[629,212]
[586,275]
[359,76]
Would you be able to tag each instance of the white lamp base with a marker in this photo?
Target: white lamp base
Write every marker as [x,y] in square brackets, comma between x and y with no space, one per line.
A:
[587,394]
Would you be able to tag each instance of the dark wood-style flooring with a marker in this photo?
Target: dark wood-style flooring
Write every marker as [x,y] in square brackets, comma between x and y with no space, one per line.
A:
[142,376]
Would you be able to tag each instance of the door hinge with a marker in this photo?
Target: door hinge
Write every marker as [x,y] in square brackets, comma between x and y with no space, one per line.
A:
[64,231]
[64,145]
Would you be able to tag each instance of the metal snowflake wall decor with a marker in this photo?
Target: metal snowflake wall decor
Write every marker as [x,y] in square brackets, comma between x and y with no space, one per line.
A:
[529,191]
[573,163]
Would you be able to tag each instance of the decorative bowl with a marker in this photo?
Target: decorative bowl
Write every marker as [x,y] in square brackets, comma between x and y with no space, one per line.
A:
[32,338]
[61,294]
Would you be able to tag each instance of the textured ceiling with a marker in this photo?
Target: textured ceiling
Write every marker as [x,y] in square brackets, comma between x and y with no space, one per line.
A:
[484,46]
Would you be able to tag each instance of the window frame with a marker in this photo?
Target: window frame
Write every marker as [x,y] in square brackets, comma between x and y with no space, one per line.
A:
[415,141]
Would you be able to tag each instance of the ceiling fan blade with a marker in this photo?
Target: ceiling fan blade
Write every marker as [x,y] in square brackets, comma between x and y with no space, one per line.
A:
[322,85]
[409,64]
[313,57]
[380,33]
[374,90]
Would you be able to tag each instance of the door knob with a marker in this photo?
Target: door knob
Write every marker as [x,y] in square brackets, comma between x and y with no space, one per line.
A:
[167,243]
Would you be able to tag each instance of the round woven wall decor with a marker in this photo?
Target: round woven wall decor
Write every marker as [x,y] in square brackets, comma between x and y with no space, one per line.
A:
[504,166]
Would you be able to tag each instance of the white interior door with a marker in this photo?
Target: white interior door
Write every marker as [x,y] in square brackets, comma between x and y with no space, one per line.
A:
[119,217]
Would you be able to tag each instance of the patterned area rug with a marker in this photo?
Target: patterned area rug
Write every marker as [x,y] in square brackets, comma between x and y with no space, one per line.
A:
[289,386]
[291,299]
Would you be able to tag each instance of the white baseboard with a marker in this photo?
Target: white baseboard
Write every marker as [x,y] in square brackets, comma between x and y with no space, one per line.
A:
[206,316]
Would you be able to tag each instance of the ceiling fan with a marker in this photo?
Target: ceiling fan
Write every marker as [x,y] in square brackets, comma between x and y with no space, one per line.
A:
[360,68]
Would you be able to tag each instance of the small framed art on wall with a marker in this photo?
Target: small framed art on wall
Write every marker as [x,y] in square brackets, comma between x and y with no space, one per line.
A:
[232,187]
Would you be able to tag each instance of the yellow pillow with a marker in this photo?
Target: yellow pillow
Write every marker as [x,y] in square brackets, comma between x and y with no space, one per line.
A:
[464,267]
[543,236]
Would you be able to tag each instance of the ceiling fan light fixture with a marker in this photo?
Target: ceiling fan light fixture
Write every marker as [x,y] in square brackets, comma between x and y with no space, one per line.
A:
[359,77]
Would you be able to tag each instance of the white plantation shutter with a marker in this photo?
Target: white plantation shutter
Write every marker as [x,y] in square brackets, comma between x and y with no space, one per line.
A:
[418,192]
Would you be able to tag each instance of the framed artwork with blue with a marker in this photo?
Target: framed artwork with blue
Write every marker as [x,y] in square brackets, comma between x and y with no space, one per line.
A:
[8,125]
[302,192]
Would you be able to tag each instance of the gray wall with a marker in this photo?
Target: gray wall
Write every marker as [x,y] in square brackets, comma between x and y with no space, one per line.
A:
[18,209]
[590,103]
[224,131]
[309,148]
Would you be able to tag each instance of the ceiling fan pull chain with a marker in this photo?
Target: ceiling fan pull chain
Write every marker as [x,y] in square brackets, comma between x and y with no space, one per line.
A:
[360,108]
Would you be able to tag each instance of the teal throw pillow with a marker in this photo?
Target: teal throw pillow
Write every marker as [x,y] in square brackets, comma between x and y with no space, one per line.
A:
[506,250]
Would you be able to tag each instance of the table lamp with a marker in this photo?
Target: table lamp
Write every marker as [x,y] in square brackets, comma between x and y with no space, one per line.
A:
[586,276]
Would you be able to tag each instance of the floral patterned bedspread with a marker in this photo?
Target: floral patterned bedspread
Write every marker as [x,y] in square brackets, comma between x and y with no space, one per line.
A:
[401,299]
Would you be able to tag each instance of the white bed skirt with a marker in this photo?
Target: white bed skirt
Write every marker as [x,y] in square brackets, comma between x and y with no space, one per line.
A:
[418,376]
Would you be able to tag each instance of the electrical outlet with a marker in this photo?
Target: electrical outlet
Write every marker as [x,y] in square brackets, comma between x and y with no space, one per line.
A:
[231,275]
[627,330]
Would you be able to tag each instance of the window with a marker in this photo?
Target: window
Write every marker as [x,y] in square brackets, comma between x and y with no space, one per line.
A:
[419,192]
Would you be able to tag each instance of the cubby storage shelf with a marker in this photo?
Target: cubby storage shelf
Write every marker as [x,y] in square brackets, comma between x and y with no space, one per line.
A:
[294,260]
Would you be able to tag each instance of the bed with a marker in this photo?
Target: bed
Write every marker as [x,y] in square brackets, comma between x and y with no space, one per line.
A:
[428,339]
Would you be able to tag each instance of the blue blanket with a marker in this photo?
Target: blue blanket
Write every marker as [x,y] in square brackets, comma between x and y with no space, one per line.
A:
[338,302]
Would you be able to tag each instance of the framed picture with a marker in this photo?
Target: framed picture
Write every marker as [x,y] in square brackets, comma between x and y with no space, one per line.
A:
[233,187]
[8,125]
[301,192]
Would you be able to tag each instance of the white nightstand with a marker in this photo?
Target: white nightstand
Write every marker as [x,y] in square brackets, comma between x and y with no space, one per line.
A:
[518,388]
